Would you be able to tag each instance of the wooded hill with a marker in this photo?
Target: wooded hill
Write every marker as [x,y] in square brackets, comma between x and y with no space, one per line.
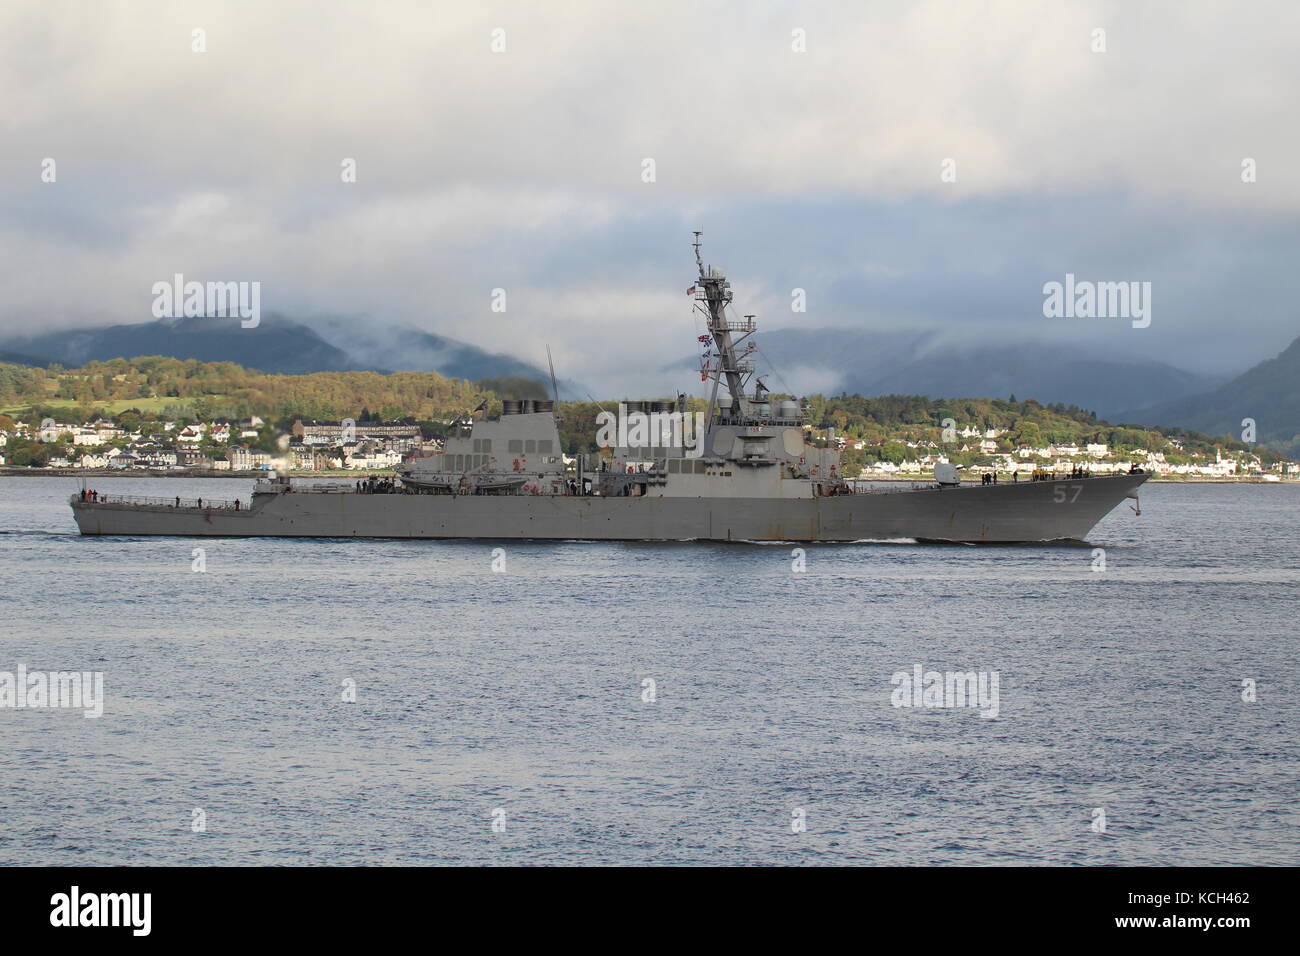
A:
[185,390]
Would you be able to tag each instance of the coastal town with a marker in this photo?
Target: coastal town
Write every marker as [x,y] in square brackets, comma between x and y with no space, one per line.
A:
[105,446]
[148,446]
[992,454]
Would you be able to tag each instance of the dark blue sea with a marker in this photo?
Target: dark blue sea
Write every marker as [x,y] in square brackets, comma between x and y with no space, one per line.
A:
[650,703]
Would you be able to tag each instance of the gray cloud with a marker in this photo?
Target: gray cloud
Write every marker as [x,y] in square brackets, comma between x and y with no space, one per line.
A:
[521,170]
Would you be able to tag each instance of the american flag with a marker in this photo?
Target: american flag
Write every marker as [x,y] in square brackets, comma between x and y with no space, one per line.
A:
[691,291]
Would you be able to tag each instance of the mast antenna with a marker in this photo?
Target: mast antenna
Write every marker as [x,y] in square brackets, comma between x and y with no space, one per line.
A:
[555,389]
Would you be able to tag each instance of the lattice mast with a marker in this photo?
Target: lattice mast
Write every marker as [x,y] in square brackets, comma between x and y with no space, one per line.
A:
[729,360]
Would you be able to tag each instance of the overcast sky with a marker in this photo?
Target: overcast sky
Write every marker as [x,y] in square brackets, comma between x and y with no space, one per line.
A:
[523,169]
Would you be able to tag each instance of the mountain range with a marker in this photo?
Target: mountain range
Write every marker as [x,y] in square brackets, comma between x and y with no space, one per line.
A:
[1268,395]
[278,345]
[809,361]
[1132,391]
[928,363]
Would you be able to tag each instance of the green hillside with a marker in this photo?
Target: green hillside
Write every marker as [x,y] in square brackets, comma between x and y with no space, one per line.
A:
[155,387]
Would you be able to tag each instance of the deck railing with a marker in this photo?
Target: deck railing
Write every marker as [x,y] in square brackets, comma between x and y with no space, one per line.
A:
[194,504]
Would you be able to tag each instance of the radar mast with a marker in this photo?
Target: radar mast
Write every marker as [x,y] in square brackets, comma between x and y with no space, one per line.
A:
[734,367]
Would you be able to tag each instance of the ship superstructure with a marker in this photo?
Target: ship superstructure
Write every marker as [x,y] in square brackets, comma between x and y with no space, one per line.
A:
[518,453]
[748,445]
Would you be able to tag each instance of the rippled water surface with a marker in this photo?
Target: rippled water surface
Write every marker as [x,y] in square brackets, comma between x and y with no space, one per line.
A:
[518,696]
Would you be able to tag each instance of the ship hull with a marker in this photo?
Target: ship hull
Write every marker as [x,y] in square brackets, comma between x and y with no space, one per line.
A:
[1006,513]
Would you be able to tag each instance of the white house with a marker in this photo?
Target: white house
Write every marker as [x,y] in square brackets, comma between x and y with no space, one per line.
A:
[245,459]
[1024,451]
[384,458]
[159,459]
[52,431]
[881,468]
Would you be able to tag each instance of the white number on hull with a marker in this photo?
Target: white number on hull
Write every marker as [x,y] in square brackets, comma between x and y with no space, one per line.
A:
[1058,494]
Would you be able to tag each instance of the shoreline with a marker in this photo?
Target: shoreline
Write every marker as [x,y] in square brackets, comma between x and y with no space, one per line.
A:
[1171,479]
[13,472]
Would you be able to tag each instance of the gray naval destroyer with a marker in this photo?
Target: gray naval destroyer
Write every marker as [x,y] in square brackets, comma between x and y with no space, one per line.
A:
[748,472]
